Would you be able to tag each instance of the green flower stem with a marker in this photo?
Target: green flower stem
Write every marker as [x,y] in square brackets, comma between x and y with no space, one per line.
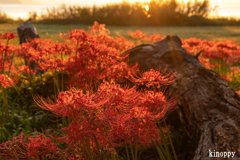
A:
[170,139]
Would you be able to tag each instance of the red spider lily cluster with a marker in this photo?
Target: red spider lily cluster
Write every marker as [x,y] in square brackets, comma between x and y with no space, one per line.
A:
[101,112]
[226,78]
[25,148]
[141,36]
[91,56]
[109,115]
[125,115]
[227,50]
[6,81]
[238,92]
[8,36]
[154,78]
[6,60]
[224,50]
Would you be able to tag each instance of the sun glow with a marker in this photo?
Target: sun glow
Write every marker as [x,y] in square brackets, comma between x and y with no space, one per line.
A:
[139,1]
[146,7]
[185,1]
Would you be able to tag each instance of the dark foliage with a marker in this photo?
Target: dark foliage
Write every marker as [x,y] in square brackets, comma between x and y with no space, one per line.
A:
[4,18]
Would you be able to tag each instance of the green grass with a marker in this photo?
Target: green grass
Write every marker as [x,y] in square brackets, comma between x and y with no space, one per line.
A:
[209,33]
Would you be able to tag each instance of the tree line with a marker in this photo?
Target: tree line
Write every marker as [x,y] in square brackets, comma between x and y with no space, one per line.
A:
[153,13]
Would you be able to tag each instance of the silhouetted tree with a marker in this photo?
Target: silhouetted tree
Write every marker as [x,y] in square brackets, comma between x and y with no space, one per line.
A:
[32,15]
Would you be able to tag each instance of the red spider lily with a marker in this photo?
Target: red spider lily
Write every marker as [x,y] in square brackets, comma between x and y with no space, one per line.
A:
[62,48]
[41,146]
[122,99]
[157,104]
[138,35]
[153,77]
[95,62]
[76,35]
[24,69]
[212,49]
[102,37]
[37,49]
[153,99]
[29,53]
[233,59]
[238,92]
[235,70]
[226,78]
[7,48]
[17,147]
[127,116]
[6,60]
[40,54]
[69,103]
[154,38]
[25,148]
[136,128]
[8,36]
[120,43]
[141,36]
[51,63]
[6,81]
[119,71]
[205,62]
[99,29]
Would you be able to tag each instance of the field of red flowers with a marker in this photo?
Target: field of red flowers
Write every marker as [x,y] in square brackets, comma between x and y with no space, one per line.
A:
[96,112]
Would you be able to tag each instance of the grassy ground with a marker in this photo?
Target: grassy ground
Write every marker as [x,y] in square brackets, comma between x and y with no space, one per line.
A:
[209,33]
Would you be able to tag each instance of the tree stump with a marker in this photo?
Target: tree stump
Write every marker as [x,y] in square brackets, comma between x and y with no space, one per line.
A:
[27,32]
[208,108]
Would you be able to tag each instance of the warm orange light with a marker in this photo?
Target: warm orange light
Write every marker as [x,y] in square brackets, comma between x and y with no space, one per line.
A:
[186,1]
[146,7]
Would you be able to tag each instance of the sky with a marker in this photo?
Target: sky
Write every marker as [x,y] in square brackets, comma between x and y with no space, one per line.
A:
[220,3]
[225,7]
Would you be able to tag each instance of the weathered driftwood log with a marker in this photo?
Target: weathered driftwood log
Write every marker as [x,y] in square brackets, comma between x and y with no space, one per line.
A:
[209,109]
